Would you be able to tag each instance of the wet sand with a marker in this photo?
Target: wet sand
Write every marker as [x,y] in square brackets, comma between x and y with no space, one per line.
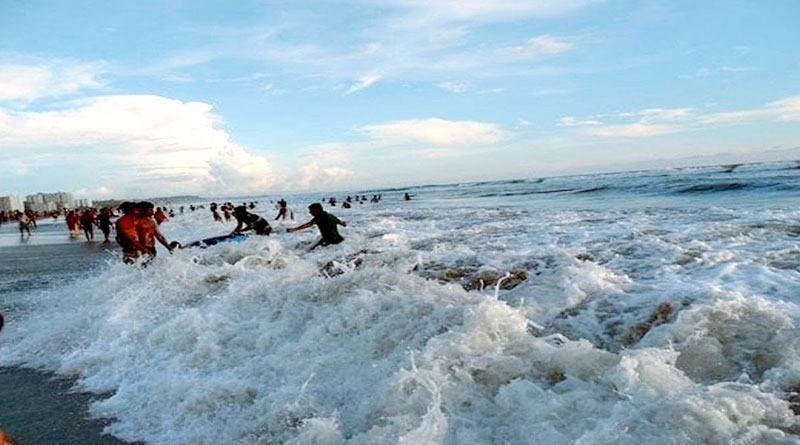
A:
[40,408]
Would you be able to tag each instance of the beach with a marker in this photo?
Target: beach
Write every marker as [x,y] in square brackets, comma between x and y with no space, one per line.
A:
[638,307]
[40,407]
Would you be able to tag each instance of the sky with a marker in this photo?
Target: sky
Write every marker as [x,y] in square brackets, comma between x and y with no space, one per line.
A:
[141,98]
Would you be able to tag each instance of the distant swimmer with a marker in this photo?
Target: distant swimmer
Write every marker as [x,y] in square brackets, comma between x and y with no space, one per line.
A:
[127,235]
[407,197]
[250,221]
[327,224]
[284,210]
[147,229]
[104,222]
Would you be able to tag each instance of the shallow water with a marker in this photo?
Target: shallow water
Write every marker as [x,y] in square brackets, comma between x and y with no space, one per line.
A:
[656,307]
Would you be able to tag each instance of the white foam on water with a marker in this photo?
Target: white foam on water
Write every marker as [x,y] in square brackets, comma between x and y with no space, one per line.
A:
[633,326]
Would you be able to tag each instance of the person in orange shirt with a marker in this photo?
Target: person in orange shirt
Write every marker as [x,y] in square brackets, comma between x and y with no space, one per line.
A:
[127,235]
[147,229]
[160,216]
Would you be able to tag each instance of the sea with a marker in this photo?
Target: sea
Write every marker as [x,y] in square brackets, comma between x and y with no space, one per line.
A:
[657,307]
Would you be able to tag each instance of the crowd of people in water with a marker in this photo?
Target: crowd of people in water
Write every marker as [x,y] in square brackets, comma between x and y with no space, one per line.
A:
[136,224]
[136,227]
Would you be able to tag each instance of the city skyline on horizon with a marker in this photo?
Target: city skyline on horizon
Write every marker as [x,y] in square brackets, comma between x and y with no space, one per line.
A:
[212,99]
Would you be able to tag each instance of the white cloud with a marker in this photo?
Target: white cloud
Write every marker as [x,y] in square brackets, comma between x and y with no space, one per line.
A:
[535,47]
[787,109]
[155,141]
[492,91]
[313,176]
[337,172]
[31,81]
[455,87]
[659,114]
[635,130]
[101,192]
[363,83]
[708,72]
[435,131]
[495,10]
[572,121]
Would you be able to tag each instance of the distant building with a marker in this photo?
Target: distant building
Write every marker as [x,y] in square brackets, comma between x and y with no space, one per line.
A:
[83,203]
[43,202]
[11,203]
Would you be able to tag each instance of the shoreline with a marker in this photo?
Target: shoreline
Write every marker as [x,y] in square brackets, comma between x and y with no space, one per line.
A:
[37,407]
[40,408]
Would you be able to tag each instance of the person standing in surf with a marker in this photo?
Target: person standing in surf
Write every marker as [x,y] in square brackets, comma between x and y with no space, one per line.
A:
[24,224]
[147,229]
[127,235]
[283,210]
[326,223]
[104,222]
[87,224]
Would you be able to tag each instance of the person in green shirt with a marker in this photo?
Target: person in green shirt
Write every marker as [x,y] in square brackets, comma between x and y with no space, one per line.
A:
[326,223]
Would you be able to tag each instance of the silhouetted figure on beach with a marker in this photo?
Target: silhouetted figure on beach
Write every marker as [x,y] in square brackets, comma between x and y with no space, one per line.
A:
[104,222]
[73,220]
[25,224]
[250,221]
[87,224]
[326,223]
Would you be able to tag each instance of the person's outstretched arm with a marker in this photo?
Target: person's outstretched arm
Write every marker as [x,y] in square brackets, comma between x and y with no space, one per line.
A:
[238,228]
[300,227]
[161,239]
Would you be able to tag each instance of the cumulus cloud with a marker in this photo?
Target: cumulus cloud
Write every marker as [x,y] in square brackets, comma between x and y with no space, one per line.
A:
[314,176]
[31,81]
[435,131]
[152,141]
[337,172]
[101,192]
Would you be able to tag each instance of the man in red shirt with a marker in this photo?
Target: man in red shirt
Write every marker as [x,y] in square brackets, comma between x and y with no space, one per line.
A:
[127,235]
[147,229]
[160,216]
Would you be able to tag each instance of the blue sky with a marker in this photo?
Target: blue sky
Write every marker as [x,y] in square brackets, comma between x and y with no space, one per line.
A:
[135,98]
